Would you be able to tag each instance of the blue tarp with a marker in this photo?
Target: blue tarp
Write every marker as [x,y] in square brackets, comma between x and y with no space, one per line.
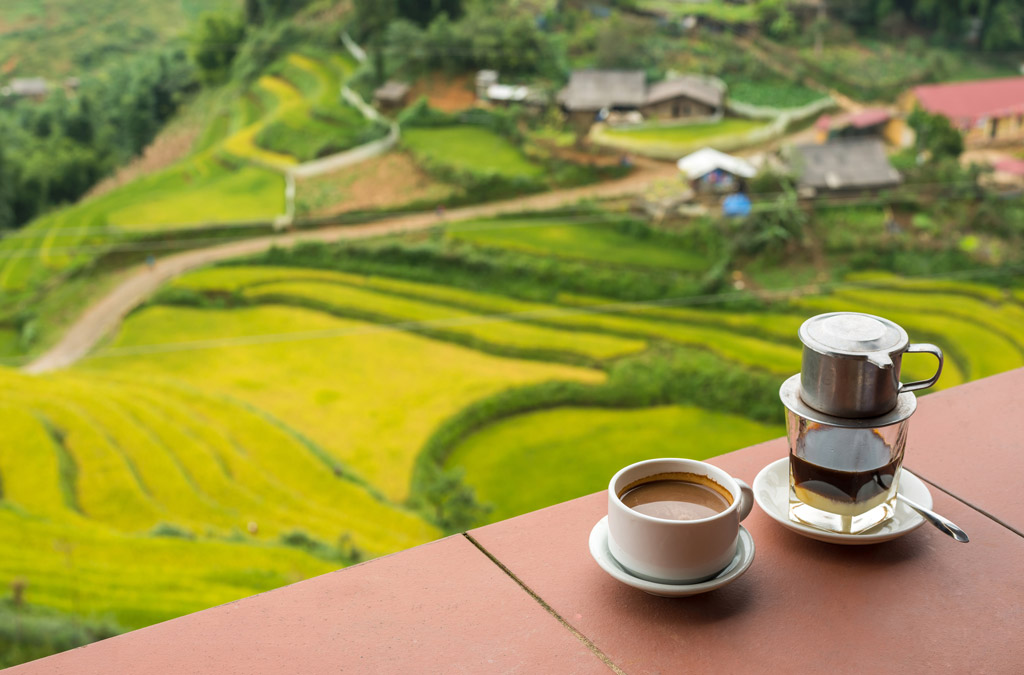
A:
[736,205]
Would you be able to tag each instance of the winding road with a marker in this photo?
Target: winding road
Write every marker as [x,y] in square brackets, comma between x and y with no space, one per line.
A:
[104,316]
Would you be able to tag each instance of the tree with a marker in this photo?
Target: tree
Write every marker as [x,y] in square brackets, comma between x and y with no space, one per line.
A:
[374,17]
[935,135]
[6,194]
[214,45]
[624,42]
[259,12]
[453,503]
[1005,28]
[425,11]
[776,18]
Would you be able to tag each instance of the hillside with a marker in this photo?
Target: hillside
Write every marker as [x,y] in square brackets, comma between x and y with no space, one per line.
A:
[54,39]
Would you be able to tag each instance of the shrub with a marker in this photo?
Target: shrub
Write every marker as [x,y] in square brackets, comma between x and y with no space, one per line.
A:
[498,270]
[171,530]
[29,633]
[344,552]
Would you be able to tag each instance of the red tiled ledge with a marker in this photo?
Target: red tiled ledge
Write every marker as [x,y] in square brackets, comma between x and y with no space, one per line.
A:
[524,596]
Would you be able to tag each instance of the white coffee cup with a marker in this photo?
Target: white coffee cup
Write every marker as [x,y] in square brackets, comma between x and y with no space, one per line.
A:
[675,551]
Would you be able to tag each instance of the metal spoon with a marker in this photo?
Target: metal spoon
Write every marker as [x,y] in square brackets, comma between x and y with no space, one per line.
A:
[935,519]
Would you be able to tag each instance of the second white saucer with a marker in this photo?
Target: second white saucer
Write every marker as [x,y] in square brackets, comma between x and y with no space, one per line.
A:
[740,562]
[771,492]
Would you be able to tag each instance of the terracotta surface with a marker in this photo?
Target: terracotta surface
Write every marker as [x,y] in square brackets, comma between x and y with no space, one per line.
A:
[441,607]
[969,440]
[923,603]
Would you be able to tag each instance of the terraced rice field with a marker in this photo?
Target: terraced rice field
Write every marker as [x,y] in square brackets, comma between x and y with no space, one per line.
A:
[764,341]
[94,467]
[367,395]
[320,122]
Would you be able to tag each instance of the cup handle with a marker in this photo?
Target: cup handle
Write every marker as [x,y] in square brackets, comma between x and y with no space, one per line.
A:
[923,348]
[746,499]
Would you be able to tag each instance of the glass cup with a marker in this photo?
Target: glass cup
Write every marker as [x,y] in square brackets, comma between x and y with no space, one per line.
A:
[843,472]
[843,479]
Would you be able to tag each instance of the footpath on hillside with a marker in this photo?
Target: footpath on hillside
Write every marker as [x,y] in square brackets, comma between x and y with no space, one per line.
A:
[104,315]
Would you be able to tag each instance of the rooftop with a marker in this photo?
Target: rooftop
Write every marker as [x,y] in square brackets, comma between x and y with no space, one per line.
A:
[864,119]
[695,88]
[966,103]
[392,91]
[524,595]
[706,160]
[596,89]
[845,165]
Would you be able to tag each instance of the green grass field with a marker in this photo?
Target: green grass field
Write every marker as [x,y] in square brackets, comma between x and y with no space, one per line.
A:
[534,460]
[470,148]
[9,342]
[596,241]
[720,11]
[681,136]
[774,94]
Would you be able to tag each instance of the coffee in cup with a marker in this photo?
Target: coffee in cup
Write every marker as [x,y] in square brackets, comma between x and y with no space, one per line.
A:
[675,521]
[676,496]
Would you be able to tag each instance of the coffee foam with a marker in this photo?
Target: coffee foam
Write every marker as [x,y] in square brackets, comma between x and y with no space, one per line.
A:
[697,478]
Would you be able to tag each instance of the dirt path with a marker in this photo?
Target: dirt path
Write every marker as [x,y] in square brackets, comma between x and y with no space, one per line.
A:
[103,316]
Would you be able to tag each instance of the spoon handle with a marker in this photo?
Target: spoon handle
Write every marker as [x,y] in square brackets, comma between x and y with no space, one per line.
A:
[944,524]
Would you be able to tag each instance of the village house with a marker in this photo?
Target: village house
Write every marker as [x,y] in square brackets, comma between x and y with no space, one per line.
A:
[35,88]
[711,171]
[853,165]
[490,90]
[591,93]
[391,97]
[1007,173]
[867,123]
[987,112]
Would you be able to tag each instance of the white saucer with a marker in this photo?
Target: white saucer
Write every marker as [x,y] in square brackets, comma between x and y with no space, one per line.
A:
[771,492]
[740,563]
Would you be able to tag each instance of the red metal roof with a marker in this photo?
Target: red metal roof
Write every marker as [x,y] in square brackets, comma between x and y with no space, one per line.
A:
[965,103]
[1014,166]
[868,117]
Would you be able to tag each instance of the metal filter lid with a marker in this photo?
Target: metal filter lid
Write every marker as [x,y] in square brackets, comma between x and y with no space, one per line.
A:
[790,394]
[853,334]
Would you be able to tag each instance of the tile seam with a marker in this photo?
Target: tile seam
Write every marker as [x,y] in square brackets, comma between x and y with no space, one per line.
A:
[990,516]
[548,608]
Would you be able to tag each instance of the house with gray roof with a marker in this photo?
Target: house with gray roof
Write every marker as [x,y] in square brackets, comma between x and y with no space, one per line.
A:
[27,87]
[391,96]
[591,91]
[843,166]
